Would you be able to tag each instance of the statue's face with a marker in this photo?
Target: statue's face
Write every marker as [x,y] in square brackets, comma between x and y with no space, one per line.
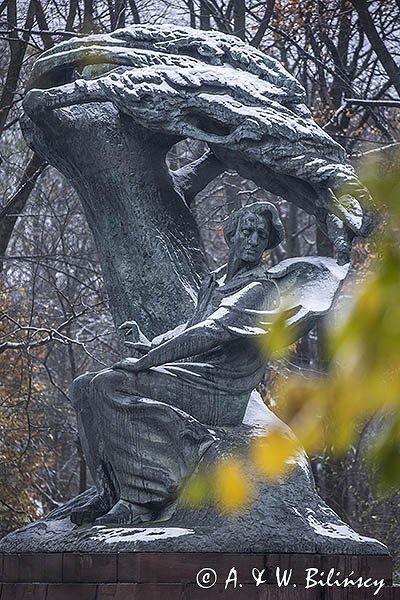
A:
[251,238]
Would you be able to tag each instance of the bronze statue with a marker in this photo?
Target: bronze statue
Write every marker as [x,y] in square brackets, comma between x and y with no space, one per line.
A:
[144,423]
[105,110]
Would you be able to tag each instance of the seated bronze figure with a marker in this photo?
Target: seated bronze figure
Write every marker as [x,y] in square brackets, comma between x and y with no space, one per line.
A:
[144,423]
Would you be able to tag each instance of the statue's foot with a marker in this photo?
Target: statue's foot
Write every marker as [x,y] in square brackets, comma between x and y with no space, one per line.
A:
[125,513]
[87,513]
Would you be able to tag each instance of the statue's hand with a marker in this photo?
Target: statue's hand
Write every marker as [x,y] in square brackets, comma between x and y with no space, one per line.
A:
[269,317]
[138,340]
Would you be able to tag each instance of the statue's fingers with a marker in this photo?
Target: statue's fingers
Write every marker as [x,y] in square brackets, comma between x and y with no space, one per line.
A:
[292,311]
[127,324]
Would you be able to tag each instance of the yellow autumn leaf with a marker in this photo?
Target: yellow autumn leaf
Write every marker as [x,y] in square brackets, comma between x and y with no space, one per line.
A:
[311,435]
[231,485]
[277,340]
[196,490]
[271,452]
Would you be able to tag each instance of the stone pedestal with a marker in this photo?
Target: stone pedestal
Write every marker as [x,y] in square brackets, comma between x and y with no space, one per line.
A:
[173,576]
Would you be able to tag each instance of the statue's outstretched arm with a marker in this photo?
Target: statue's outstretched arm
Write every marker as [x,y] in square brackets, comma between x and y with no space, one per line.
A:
[196,339]
[225,324]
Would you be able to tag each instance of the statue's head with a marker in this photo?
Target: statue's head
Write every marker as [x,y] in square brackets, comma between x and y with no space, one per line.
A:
[252,230]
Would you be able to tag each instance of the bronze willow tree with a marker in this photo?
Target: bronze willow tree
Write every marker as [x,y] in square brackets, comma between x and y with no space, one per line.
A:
[105,110]
[342,52]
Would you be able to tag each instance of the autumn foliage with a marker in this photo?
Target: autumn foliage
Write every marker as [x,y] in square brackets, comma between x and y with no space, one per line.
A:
[24,453]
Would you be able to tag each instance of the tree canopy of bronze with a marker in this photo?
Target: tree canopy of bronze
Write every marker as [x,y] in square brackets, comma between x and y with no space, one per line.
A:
[105,110]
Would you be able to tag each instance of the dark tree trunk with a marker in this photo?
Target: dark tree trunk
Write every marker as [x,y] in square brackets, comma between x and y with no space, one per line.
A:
[17,52]
[16,204]
[147,239]
[87,16]
[385,57]
[134,11]
[205,17]
[269,9]
[239,18]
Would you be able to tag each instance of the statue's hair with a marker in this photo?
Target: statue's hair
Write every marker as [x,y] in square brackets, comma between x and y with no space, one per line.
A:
[264,209]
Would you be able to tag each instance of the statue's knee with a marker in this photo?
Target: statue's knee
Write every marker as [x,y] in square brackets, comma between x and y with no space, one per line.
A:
[106,382]
[79,388]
